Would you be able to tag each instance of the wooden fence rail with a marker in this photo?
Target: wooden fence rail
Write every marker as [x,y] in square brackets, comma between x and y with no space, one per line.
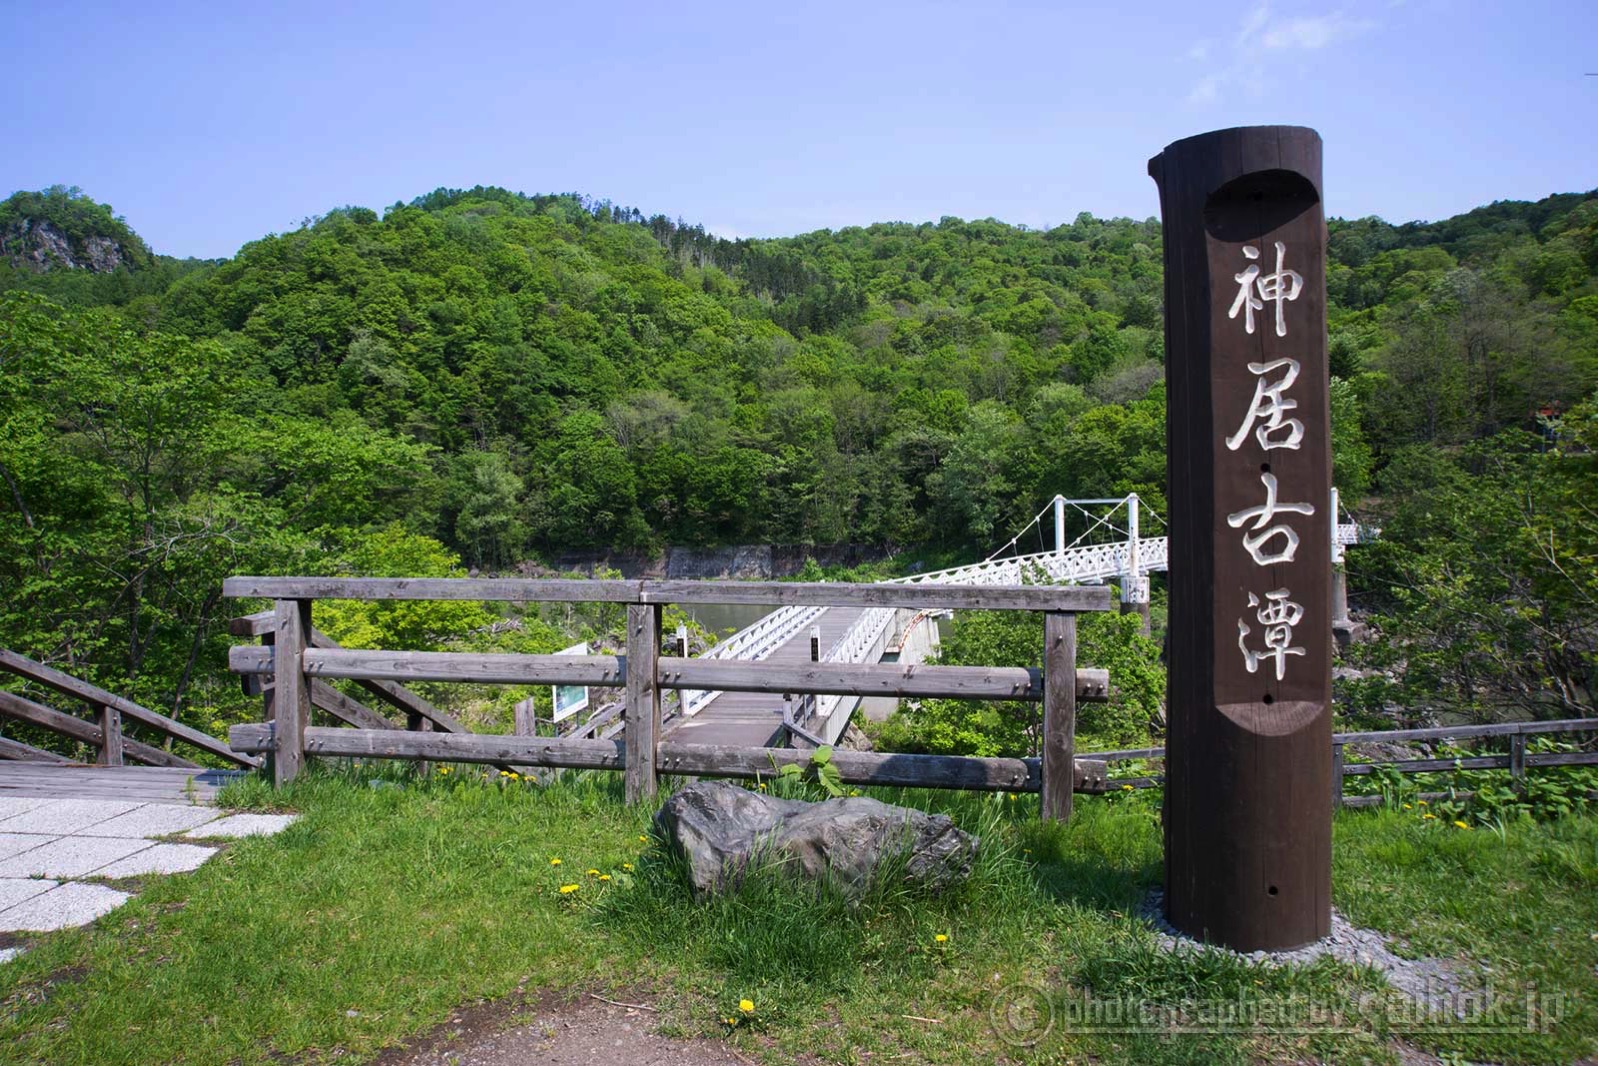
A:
[105,731]
[1516,761]
[295,664]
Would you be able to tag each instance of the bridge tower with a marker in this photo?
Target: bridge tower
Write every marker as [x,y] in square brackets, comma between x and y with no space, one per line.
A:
[1134,583]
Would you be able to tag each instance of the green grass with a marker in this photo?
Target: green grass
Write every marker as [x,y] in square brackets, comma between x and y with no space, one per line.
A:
[402,902]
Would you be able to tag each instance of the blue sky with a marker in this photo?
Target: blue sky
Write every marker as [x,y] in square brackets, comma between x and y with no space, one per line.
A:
[208,125]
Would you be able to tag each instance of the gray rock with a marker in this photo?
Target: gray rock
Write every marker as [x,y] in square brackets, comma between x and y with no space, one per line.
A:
[720,828]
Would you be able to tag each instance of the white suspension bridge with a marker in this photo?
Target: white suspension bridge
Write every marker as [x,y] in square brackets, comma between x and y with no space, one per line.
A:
[860,635]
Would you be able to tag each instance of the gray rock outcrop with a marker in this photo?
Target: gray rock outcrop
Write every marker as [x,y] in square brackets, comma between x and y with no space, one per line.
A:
[720,829]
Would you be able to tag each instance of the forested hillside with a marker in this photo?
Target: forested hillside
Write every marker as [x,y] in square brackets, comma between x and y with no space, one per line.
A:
[513,376]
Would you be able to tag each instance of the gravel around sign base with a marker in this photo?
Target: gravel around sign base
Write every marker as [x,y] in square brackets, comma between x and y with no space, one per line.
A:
[1435,982]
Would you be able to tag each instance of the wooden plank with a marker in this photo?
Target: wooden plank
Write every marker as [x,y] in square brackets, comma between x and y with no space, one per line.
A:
[1124,754]
[248,660]
[704,760]
[878,768]
[1426,766]
[865,679]
[1059,715]
[775,593]
[512,590]
[1502,729]
[641,712]
[93,694]
[1517,759]
[468,667]
[346,709]
[141,784]
[326,741]
[25,710]
[873,679]
[15,749]
[918,597]
[291,695]
[111,736]
[1562,758]
[258,624]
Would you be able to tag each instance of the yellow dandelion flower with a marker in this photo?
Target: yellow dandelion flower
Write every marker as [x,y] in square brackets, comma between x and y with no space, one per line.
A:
[1127,788]
[730,1021]
[1012,797]
[593,873]
[1409,807]
[941,938]
[514,776]
[1461,825]
[746,1005]
[762,786]
[604,877]
[1428,817]
[627,866]
[1423,803]
[567,890]
[643,840]
[554,862]
[854,792]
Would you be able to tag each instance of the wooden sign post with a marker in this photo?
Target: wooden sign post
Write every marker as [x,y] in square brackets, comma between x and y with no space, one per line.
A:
[1249,751]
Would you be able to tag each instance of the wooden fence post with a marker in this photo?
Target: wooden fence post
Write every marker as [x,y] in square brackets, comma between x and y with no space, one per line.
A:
[291,690]
[1337,777]
[1059,714]
[1517,760]
[419,723]
[110,735]
[642,709]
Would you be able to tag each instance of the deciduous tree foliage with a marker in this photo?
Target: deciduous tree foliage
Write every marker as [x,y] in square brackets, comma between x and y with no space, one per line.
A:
[512,376]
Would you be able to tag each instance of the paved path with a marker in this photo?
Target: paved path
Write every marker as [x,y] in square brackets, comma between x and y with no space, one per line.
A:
[61,859]
[754,719]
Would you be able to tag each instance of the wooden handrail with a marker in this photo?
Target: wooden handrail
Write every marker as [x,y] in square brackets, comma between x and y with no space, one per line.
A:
[848,679]
[773,593]
[675,757]
[23,709]
[1442,732]
[99,698]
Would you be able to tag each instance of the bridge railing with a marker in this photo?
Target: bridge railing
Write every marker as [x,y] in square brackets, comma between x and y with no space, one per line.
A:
[297,663]
[105,732]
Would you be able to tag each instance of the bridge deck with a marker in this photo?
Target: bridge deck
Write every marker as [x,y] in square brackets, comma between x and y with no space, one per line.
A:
[145,784]
[754,719]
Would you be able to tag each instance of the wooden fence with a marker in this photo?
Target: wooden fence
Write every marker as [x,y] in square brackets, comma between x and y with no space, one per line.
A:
[1516,760]
[297,662]
[105,731]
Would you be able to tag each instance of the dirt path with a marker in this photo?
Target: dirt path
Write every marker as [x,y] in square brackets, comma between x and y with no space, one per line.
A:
[586,1032]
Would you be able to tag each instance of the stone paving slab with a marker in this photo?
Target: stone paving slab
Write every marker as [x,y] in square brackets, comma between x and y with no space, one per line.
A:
[70,857]
[153,820]
[16,843]
[15,890]
[243,825]
[63,816]
[161,859]
[61,907]
[11,806]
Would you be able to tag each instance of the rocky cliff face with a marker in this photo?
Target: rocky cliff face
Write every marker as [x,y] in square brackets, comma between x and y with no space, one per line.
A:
[39,245]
